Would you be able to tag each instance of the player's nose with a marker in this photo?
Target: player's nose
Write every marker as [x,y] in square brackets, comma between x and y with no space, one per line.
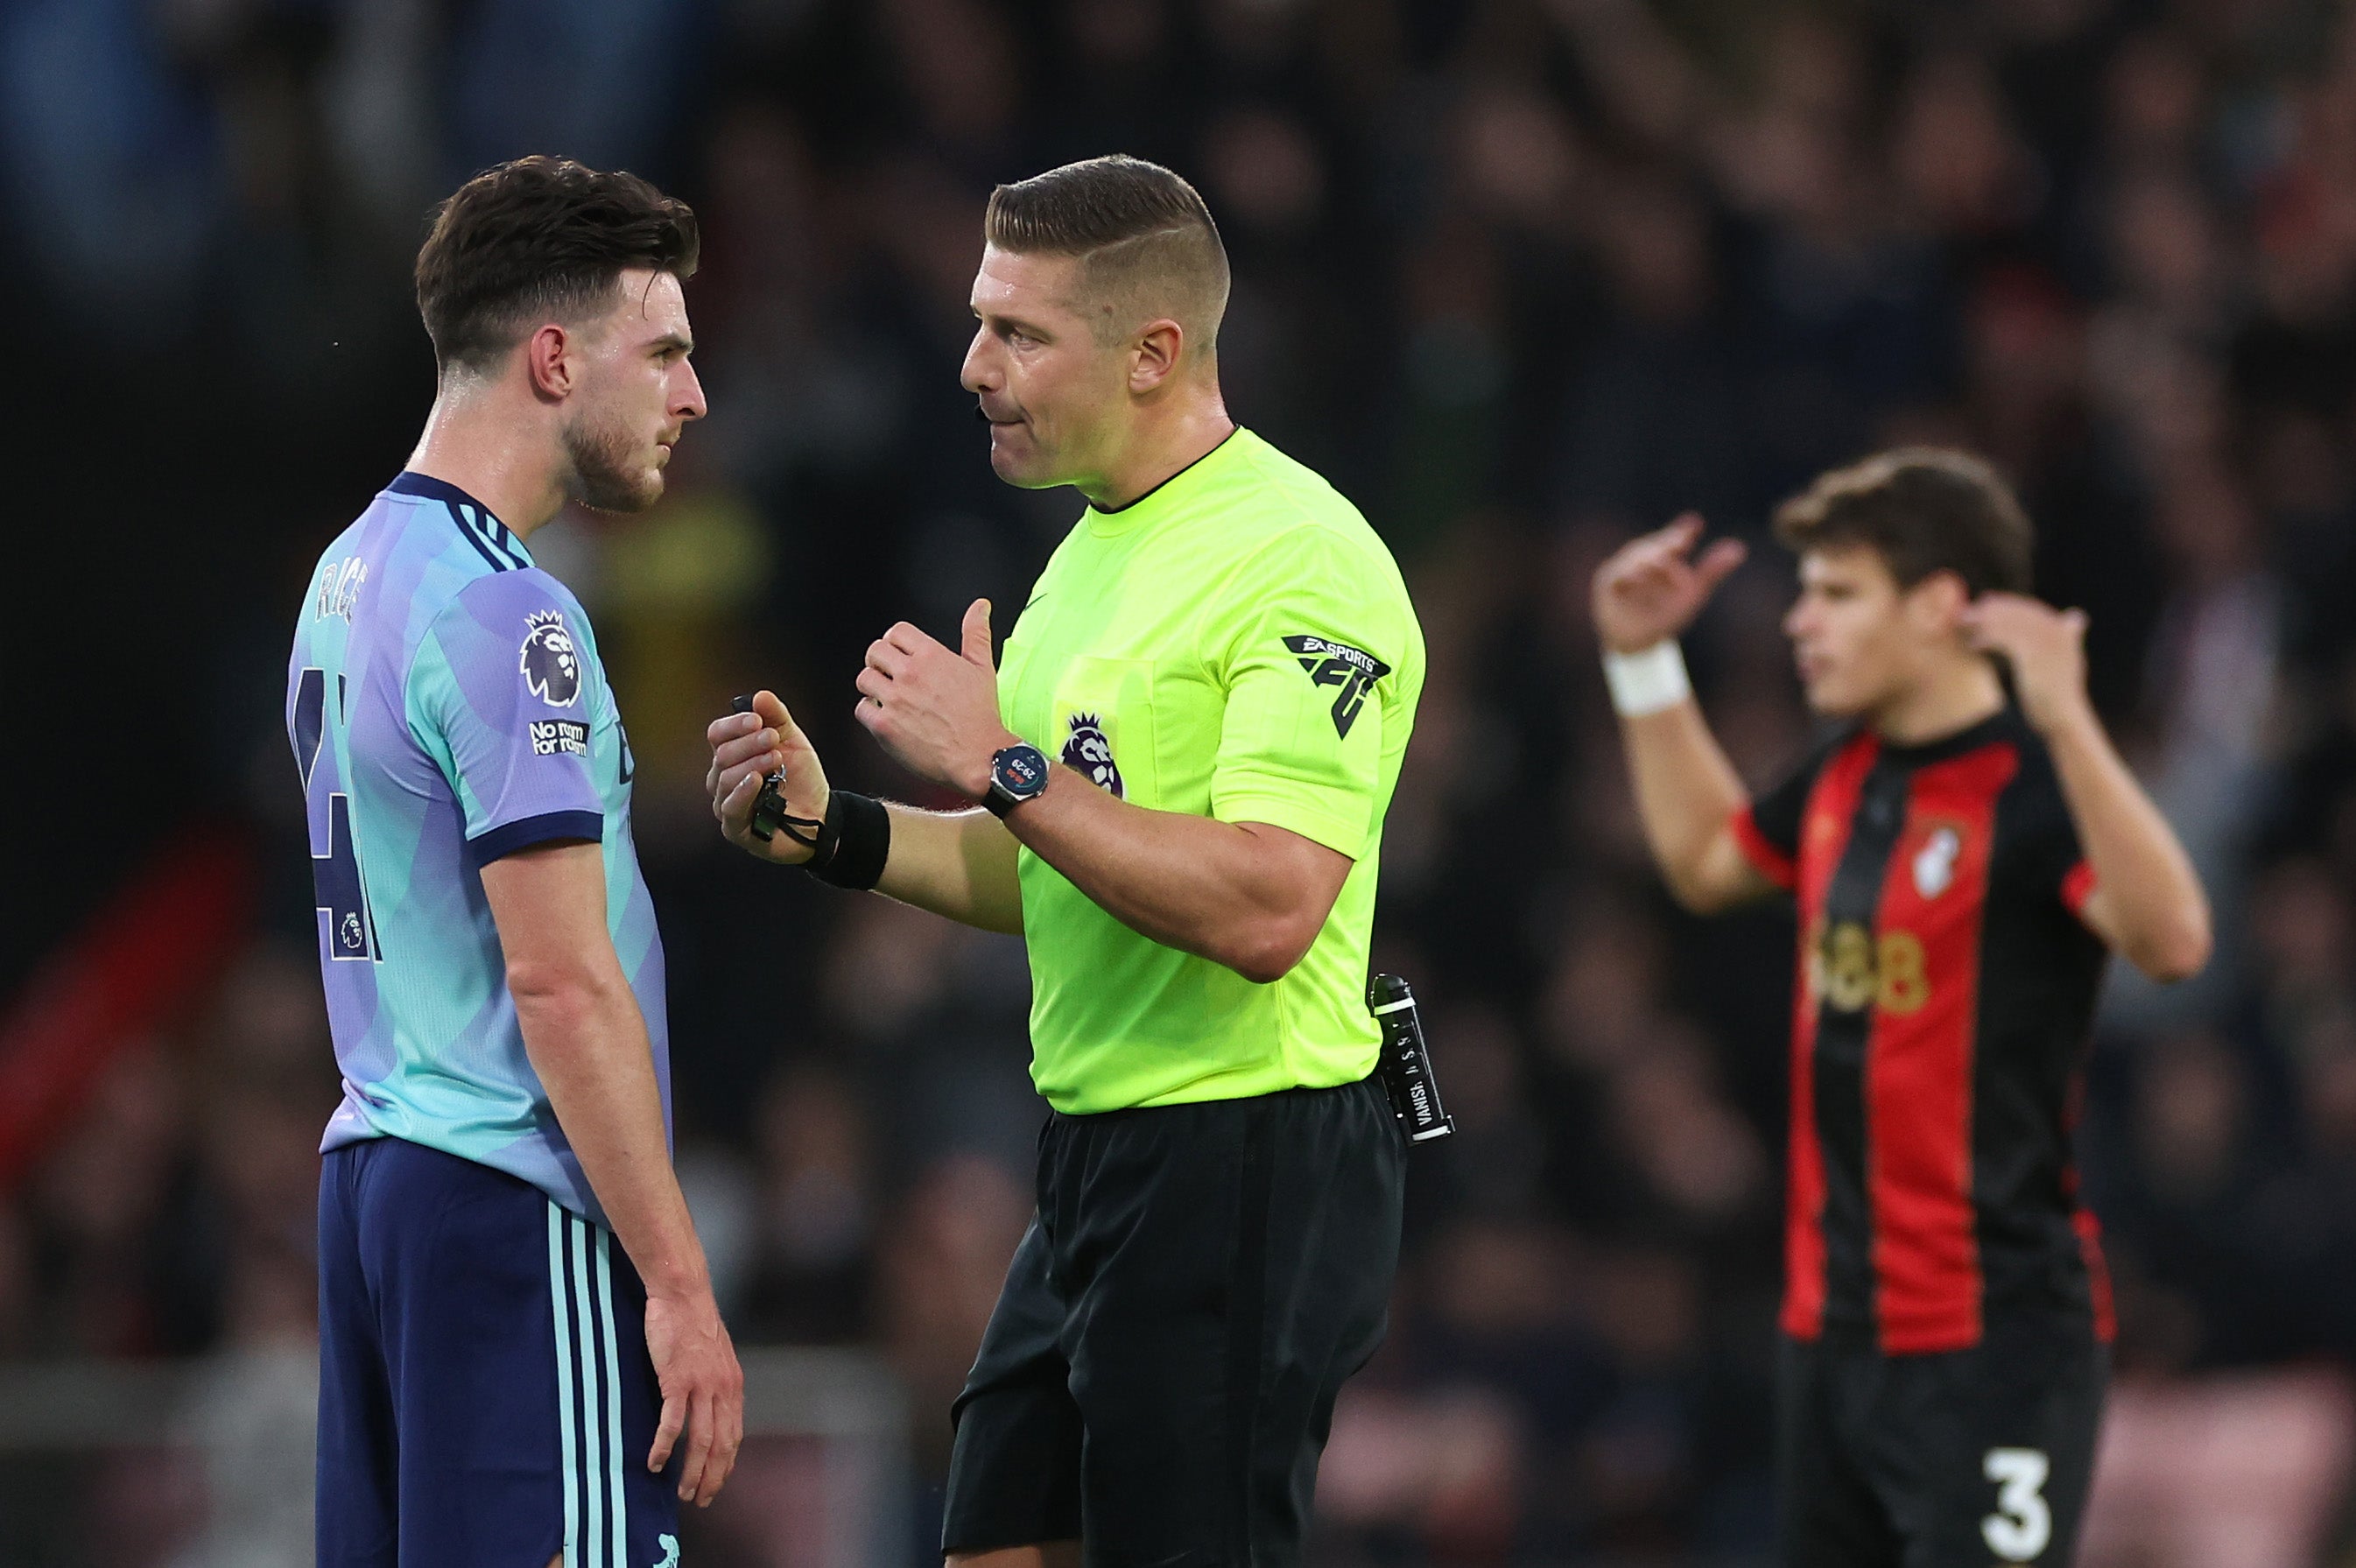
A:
[688,402]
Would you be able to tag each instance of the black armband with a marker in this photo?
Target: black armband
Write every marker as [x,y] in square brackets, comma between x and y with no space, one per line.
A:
[854,844]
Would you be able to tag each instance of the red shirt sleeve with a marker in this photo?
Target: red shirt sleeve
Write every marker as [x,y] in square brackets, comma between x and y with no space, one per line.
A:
[2077,886]
[1763,854]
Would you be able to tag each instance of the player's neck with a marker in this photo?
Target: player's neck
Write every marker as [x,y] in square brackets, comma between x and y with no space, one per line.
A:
[1947,701]
[509,464]
[1163,442]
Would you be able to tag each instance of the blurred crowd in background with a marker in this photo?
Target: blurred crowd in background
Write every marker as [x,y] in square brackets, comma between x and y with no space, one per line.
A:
[1521,277]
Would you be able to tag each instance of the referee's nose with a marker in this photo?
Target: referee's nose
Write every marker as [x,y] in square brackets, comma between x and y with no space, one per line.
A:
[979,375]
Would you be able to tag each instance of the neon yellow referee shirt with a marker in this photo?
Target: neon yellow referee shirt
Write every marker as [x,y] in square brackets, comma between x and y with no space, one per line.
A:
[1237,644]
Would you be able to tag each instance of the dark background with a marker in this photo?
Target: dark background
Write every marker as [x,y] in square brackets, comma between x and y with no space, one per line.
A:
[1521,277]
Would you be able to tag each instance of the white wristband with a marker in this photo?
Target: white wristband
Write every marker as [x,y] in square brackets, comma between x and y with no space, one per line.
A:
[1650,681]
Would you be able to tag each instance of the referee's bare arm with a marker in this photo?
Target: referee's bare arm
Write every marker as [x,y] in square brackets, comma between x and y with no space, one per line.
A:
[1249,895]
[587,1041]
[1686,791]
[958,863]
[1246,895]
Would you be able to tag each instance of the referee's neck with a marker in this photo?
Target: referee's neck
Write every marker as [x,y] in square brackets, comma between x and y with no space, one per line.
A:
[1160,446]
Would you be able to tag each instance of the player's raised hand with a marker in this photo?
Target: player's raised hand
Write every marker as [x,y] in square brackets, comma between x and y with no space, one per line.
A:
[702,1394]
[745,749]
[2045,647]
[1653,586]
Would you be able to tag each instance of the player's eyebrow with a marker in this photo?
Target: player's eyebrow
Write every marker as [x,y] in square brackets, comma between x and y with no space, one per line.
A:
[672,340]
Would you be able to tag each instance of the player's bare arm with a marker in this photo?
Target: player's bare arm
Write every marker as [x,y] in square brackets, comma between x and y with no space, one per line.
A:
[1686,791]
[956,864]
[587,1041]
[1246,895]
[2147,901]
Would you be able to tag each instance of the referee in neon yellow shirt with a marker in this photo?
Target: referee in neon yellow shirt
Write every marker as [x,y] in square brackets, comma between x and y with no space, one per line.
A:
[1183,759]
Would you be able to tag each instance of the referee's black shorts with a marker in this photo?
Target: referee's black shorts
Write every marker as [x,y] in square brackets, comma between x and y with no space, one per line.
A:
[1159,1376]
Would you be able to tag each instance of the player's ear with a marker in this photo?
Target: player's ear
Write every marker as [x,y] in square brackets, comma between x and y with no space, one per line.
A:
[1154,356]
[1938,602]
[548,361]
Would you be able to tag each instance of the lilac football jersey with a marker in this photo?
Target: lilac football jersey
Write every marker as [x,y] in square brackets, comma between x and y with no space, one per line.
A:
[448,707]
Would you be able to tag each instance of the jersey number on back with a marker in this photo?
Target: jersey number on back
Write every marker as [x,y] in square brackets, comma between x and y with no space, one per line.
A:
[335,882]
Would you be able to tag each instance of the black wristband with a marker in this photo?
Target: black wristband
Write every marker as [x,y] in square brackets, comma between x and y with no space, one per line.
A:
[853,845]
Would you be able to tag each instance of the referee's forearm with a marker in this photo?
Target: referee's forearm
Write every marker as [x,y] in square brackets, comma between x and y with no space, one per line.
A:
[588,1044]
[1240,895]
[960,864]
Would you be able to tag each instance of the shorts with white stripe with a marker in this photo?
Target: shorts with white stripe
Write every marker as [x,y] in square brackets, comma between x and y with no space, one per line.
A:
[485,1394]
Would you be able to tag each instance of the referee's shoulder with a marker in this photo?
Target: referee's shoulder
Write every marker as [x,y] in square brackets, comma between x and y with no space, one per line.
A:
[1296,506]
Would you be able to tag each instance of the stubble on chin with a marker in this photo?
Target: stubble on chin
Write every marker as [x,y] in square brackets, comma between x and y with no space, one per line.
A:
[605,475]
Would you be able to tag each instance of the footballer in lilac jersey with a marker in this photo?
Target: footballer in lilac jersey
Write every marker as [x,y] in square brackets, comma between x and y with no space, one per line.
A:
[520,1358]
[448,709]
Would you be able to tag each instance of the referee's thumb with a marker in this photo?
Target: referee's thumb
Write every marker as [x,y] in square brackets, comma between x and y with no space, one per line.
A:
[976,631]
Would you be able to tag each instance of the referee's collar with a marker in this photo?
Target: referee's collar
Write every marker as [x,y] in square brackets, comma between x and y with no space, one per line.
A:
[1115,516]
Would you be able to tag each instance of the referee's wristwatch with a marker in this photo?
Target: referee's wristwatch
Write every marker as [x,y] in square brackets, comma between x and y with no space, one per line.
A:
[1016,774]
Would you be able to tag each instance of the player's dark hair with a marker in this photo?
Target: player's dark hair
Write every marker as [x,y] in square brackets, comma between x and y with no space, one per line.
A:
[1923,509]
[537,240]
[1135,225]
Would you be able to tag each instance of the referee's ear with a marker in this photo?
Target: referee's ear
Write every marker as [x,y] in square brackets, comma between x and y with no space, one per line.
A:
[977,633]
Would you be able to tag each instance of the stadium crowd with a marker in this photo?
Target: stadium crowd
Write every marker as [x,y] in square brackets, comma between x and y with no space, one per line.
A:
[1523,277]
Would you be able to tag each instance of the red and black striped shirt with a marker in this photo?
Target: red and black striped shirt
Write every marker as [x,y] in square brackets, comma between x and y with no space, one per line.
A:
[1940,1021]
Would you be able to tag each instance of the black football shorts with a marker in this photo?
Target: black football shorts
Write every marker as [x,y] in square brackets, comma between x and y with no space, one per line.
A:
[1158,1379]
[1975,1458]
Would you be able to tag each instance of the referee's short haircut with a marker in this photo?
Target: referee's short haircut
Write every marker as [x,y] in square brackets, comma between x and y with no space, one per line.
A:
[540,240]
[1144,238]
[1923,509]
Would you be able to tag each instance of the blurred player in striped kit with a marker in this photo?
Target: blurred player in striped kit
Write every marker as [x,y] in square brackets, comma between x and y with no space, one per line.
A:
[1965,853]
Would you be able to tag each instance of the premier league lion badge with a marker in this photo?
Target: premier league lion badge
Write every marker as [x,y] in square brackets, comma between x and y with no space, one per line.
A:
[550,663]
[1090,751]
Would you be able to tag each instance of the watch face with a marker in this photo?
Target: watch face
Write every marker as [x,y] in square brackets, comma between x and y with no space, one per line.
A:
[1020,769]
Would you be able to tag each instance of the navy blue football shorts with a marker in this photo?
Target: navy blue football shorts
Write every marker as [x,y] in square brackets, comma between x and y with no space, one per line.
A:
[485,1396]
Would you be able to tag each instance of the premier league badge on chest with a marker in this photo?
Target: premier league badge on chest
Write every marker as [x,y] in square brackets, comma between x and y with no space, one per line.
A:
[1090,751]
[549,662]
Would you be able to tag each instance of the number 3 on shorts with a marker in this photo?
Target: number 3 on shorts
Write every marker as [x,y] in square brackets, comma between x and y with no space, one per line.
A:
[2022,1524]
